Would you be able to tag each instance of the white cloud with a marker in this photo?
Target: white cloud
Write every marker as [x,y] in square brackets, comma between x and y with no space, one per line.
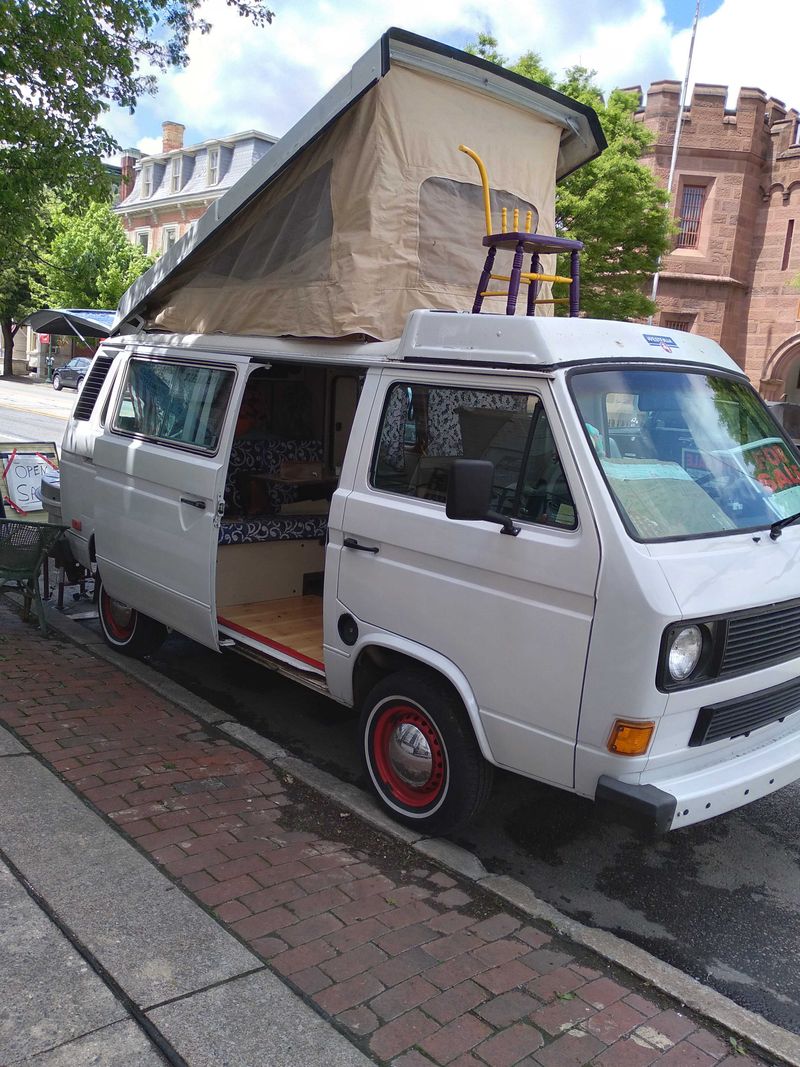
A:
[742,43]
[241,78]
[149,145]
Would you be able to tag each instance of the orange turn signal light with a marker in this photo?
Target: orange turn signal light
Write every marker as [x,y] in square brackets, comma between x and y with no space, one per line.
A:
[630,738]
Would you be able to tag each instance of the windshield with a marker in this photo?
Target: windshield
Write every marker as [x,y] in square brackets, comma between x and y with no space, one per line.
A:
[687,454]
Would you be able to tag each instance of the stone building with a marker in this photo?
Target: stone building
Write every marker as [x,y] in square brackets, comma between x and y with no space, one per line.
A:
[162,194]
[736,196]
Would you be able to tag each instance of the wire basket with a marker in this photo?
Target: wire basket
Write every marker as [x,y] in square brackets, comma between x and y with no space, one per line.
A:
[23,547]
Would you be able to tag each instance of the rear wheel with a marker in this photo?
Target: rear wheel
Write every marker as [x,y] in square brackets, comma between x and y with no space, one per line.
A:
[57,382]
[421,755]
[125,629]
[79,386]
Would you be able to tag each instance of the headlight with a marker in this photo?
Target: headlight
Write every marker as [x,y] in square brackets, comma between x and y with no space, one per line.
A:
[683,652]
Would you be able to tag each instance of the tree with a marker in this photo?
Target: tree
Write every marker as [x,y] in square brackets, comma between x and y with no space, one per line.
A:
[15,303]
[612,204]
[88,261]
[62,64]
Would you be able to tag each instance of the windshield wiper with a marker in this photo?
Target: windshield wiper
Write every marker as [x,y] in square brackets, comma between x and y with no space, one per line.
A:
[777,527]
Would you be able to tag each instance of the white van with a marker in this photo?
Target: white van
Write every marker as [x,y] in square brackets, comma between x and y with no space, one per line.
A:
[557,546]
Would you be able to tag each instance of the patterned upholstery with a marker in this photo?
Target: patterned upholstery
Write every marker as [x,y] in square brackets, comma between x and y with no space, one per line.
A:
[274,528]
[265,455]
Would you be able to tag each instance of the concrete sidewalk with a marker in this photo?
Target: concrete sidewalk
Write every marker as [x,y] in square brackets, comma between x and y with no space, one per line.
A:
[169,895]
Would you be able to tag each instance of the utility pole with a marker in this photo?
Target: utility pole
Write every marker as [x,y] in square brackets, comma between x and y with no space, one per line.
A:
[676,139]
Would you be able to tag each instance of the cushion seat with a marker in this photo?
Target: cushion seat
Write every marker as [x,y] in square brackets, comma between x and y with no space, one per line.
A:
[273,528]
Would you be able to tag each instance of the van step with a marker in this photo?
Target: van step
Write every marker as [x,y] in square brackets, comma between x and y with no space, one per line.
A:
[306,678]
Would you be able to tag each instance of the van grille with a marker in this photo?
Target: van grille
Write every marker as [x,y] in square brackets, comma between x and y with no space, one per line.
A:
[753,641]
[733,718]
[92,386]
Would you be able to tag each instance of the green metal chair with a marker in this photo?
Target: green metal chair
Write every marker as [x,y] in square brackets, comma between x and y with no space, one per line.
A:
[23,548]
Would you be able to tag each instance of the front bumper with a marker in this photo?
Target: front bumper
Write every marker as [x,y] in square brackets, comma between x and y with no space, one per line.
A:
[669,802]
[646,807]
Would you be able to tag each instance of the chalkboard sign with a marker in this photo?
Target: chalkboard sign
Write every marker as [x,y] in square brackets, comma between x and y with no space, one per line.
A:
[23,464]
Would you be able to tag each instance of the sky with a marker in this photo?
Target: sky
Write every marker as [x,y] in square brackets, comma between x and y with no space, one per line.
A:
[242,78]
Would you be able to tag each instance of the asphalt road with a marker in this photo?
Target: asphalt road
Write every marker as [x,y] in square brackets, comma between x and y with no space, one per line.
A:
[33,411]
[720,900]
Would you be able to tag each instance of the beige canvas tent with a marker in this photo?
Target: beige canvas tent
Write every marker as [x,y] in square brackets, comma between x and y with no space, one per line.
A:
[367,210]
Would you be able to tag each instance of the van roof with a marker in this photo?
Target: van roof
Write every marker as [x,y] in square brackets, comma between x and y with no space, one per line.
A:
[549,342]
[464,340]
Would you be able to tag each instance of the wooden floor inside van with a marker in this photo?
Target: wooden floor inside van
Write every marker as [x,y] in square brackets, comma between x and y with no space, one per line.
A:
[292,626]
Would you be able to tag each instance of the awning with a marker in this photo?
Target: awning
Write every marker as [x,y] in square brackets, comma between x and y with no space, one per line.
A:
[71,322]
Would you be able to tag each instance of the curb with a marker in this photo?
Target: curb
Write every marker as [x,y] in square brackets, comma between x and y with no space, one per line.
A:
[762,1035]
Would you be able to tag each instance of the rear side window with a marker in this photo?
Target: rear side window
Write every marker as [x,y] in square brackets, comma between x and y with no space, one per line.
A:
[92,386]
[177,403]
[425,428]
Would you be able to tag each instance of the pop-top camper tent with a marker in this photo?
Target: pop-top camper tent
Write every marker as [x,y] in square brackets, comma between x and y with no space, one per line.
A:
[366,209]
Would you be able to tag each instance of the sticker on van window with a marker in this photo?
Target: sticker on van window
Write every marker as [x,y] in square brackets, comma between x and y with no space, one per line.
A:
[660,340]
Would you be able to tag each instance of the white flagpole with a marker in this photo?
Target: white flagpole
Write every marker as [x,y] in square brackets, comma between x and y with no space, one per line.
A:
[676,139]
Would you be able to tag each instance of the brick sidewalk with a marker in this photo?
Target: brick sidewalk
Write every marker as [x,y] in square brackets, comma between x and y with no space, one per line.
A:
[414,967]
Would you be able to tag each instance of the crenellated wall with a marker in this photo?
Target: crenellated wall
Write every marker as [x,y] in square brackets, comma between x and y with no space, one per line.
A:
[735,283]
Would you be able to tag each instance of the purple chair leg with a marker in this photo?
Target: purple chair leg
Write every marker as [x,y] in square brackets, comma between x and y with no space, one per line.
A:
[575,288]
[485,279]
[513,285]
[533,288]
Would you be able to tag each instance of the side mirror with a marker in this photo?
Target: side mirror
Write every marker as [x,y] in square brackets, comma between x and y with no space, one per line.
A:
[469,494]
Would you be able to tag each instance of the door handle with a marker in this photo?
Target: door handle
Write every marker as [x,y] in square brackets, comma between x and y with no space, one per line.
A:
[350,542]
[199,504]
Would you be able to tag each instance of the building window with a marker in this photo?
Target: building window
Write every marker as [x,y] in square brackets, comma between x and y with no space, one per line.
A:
[147,181]
[691,215]
[169,235]
[787,244]
[143,240]
[674,322]
[213,166]
[175,175]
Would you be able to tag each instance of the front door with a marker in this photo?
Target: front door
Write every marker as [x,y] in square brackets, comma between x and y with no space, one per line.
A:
[159,468]
[512,613]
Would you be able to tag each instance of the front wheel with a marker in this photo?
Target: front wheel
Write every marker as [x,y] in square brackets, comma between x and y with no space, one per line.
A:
[125,629]
[421,755]
[57,383]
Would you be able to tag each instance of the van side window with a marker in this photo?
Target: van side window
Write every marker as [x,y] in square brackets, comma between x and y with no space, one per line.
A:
[424,428]
[180,403]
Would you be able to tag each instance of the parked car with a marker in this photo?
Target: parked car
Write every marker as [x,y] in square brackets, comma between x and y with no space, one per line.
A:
[72,373]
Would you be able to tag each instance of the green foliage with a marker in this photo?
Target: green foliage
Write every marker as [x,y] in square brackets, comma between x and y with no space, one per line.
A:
[87,261]
[613,204]
[62,65]
[486,48]
[15,303]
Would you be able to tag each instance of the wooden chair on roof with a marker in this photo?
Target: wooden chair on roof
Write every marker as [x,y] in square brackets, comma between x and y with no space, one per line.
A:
[521,243]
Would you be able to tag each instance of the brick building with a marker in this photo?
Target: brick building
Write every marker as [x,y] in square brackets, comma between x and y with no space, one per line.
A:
[162,194]
[736,194]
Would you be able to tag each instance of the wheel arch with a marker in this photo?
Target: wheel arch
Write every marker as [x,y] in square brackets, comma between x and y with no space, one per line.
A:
[383,654]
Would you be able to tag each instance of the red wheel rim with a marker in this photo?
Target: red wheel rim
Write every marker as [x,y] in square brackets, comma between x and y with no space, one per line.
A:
[120,620]
[390,720]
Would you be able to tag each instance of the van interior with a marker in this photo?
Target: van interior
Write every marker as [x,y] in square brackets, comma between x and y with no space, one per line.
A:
[289,445]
